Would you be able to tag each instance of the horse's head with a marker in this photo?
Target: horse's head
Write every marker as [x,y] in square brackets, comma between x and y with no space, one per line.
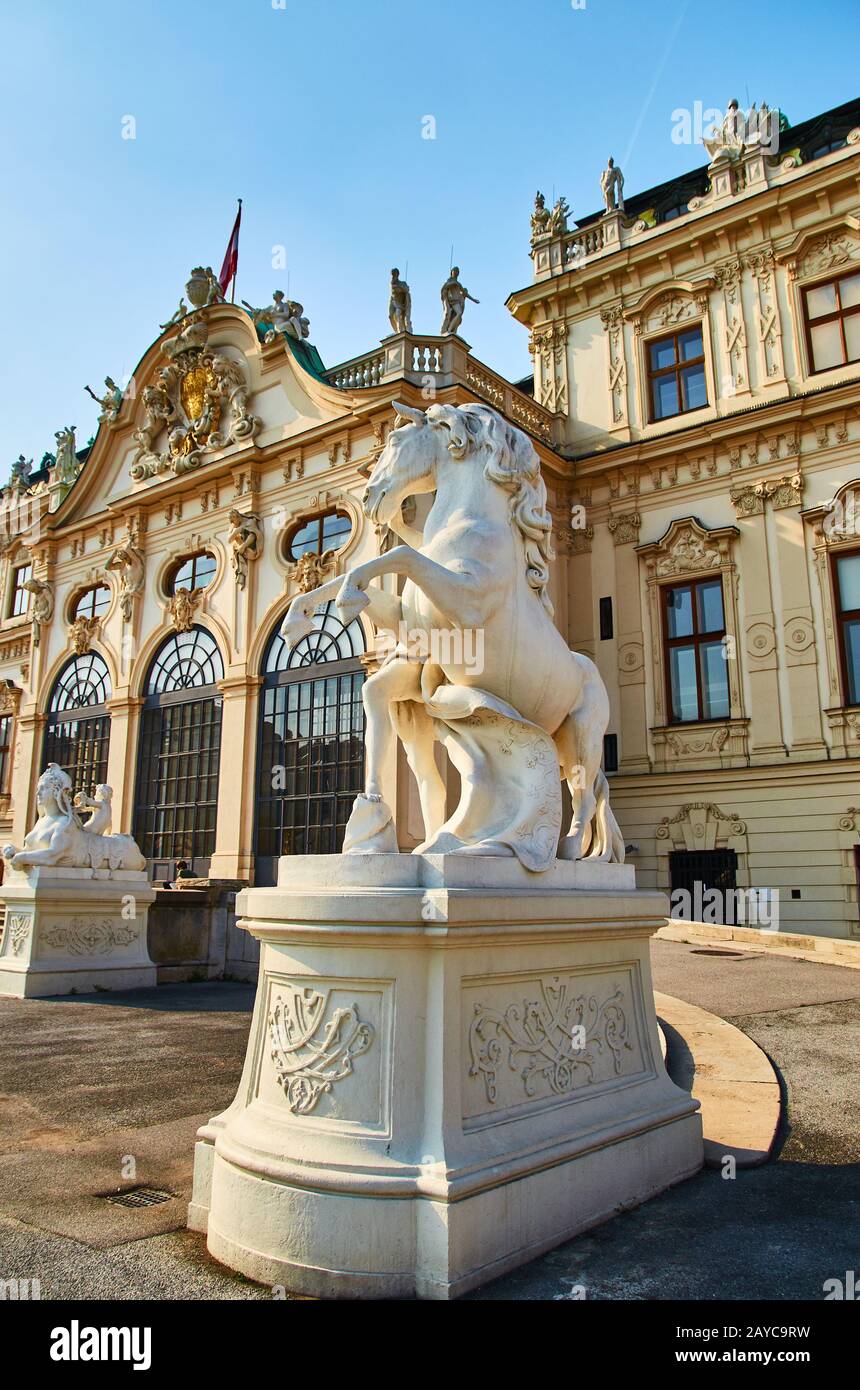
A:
[54,785]
[407,465]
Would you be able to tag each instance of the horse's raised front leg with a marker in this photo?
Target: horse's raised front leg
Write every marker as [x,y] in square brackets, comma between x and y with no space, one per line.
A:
[464,597]
[383,609]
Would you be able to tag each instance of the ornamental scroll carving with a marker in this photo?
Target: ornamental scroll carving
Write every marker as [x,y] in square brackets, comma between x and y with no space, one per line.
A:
[92,936]
[553,1039]
[310,1051]
[198,404]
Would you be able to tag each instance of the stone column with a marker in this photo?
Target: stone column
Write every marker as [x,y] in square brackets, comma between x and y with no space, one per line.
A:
[26,770]
[806,738]
[233,856]
[122,757]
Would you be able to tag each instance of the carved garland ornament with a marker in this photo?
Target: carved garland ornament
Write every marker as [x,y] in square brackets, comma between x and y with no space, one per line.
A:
[93,937]
[310,1054]
[555,1038]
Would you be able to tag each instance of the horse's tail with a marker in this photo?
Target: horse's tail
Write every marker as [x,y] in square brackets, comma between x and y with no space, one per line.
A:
[607,841]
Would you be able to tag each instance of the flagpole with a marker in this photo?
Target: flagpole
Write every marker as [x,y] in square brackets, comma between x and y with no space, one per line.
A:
[233,291]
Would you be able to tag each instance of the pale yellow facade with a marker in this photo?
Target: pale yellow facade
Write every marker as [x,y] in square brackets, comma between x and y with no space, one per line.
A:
[742,488]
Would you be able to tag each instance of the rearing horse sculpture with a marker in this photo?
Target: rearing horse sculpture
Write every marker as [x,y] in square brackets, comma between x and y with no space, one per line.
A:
[534,707]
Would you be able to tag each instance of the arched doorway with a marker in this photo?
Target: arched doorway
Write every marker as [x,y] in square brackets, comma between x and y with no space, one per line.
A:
[77,734]
[310,749]
[176,799]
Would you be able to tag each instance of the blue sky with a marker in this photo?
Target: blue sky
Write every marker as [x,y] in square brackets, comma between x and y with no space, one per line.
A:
[312,113]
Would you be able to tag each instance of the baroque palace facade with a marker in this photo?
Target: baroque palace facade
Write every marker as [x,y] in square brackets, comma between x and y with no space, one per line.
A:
[696,409]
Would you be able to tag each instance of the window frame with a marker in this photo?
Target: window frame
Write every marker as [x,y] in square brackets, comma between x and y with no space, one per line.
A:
[7,750]
[841,616]
[680,365]
[192,557]
[838,316]
[320,518]
[695,639]
[15,588]
[83,594]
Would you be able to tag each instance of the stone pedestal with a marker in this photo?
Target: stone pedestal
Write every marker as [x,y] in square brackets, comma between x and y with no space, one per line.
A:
[453,1066]
[74,931]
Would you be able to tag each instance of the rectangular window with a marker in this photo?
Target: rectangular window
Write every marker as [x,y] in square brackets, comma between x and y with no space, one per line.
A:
[605,619]
[832,313]
[20,599]
[847,586]
[676,374]
[694,632]
[5,752]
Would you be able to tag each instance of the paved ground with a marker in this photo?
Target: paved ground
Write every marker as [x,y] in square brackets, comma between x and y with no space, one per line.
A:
[86,1085]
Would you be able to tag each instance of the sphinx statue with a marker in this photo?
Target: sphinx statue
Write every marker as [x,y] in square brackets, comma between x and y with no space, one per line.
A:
[59,839]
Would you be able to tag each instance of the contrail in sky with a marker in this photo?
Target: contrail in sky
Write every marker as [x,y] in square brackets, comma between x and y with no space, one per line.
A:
[652,89]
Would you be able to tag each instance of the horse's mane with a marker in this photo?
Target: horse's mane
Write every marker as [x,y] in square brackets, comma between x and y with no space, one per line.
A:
[515,466]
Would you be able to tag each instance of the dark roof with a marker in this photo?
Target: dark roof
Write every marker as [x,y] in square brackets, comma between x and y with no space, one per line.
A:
[807,136]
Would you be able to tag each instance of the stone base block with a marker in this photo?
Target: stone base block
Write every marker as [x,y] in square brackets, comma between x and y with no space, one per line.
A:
[453,1066]
[74,931]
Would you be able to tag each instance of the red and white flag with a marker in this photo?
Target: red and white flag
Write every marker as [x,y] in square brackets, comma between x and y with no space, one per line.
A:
[231,258]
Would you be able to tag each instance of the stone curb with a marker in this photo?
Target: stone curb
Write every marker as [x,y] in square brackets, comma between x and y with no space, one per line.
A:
[825,950]
[731,1078]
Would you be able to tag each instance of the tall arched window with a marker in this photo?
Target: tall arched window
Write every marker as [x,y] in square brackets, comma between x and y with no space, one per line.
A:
[176,801]
[77,734]
[310,759]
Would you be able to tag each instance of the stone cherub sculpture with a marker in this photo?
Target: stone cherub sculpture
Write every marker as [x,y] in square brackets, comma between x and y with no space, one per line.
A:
[43,605]
[59,839]
[246,541]
[612,186]
[530,708]
[110,402]
[454,296]
[399,304]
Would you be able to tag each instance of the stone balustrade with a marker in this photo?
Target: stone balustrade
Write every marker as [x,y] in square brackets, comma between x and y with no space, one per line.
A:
[442,361]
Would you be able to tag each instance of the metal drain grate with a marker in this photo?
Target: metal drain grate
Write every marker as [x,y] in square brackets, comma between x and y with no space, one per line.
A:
[139,1197]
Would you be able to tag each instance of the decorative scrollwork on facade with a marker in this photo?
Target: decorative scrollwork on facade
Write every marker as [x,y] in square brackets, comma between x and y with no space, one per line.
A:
[90,937]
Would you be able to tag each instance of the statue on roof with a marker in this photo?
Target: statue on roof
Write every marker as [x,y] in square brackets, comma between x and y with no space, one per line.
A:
[399,304]
[281,316]
[727,140]
[612,187]
[110,402]
[19,479]
[454,296]
[540,217]
[558,217]
[67,466]
[175,318]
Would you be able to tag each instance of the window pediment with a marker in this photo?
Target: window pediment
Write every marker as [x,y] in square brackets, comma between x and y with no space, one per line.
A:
[688,547]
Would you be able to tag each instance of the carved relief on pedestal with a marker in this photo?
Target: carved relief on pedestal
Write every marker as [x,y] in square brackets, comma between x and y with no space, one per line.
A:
[18,927]
[89,936]
[542,1039]
[313,1046]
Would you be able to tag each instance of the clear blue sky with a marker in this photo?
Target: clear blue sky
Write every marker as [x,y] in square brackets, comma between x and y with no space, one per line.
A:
[313,114]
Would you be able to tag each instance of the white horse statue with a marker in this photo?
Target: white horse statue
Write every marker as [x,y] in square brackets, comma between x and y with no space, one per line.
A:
[531,709]
[60,840]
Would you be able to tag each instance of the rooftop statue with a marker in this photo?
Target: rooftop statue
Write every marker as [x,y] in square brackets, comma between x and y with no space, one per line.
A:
[19,479]
[510,710]
[110,402]
[612,186]
[558,217]
[60,839]
[540,217]
[67,465]
[281,316]
[454,296]
[399,304]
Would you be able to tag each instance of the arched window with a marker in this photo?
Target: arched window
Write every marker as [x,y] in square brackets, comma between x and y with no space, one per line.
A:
[329,531]
[176,800]
[310,758]
[92,602]
[193,572]
[77,734]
